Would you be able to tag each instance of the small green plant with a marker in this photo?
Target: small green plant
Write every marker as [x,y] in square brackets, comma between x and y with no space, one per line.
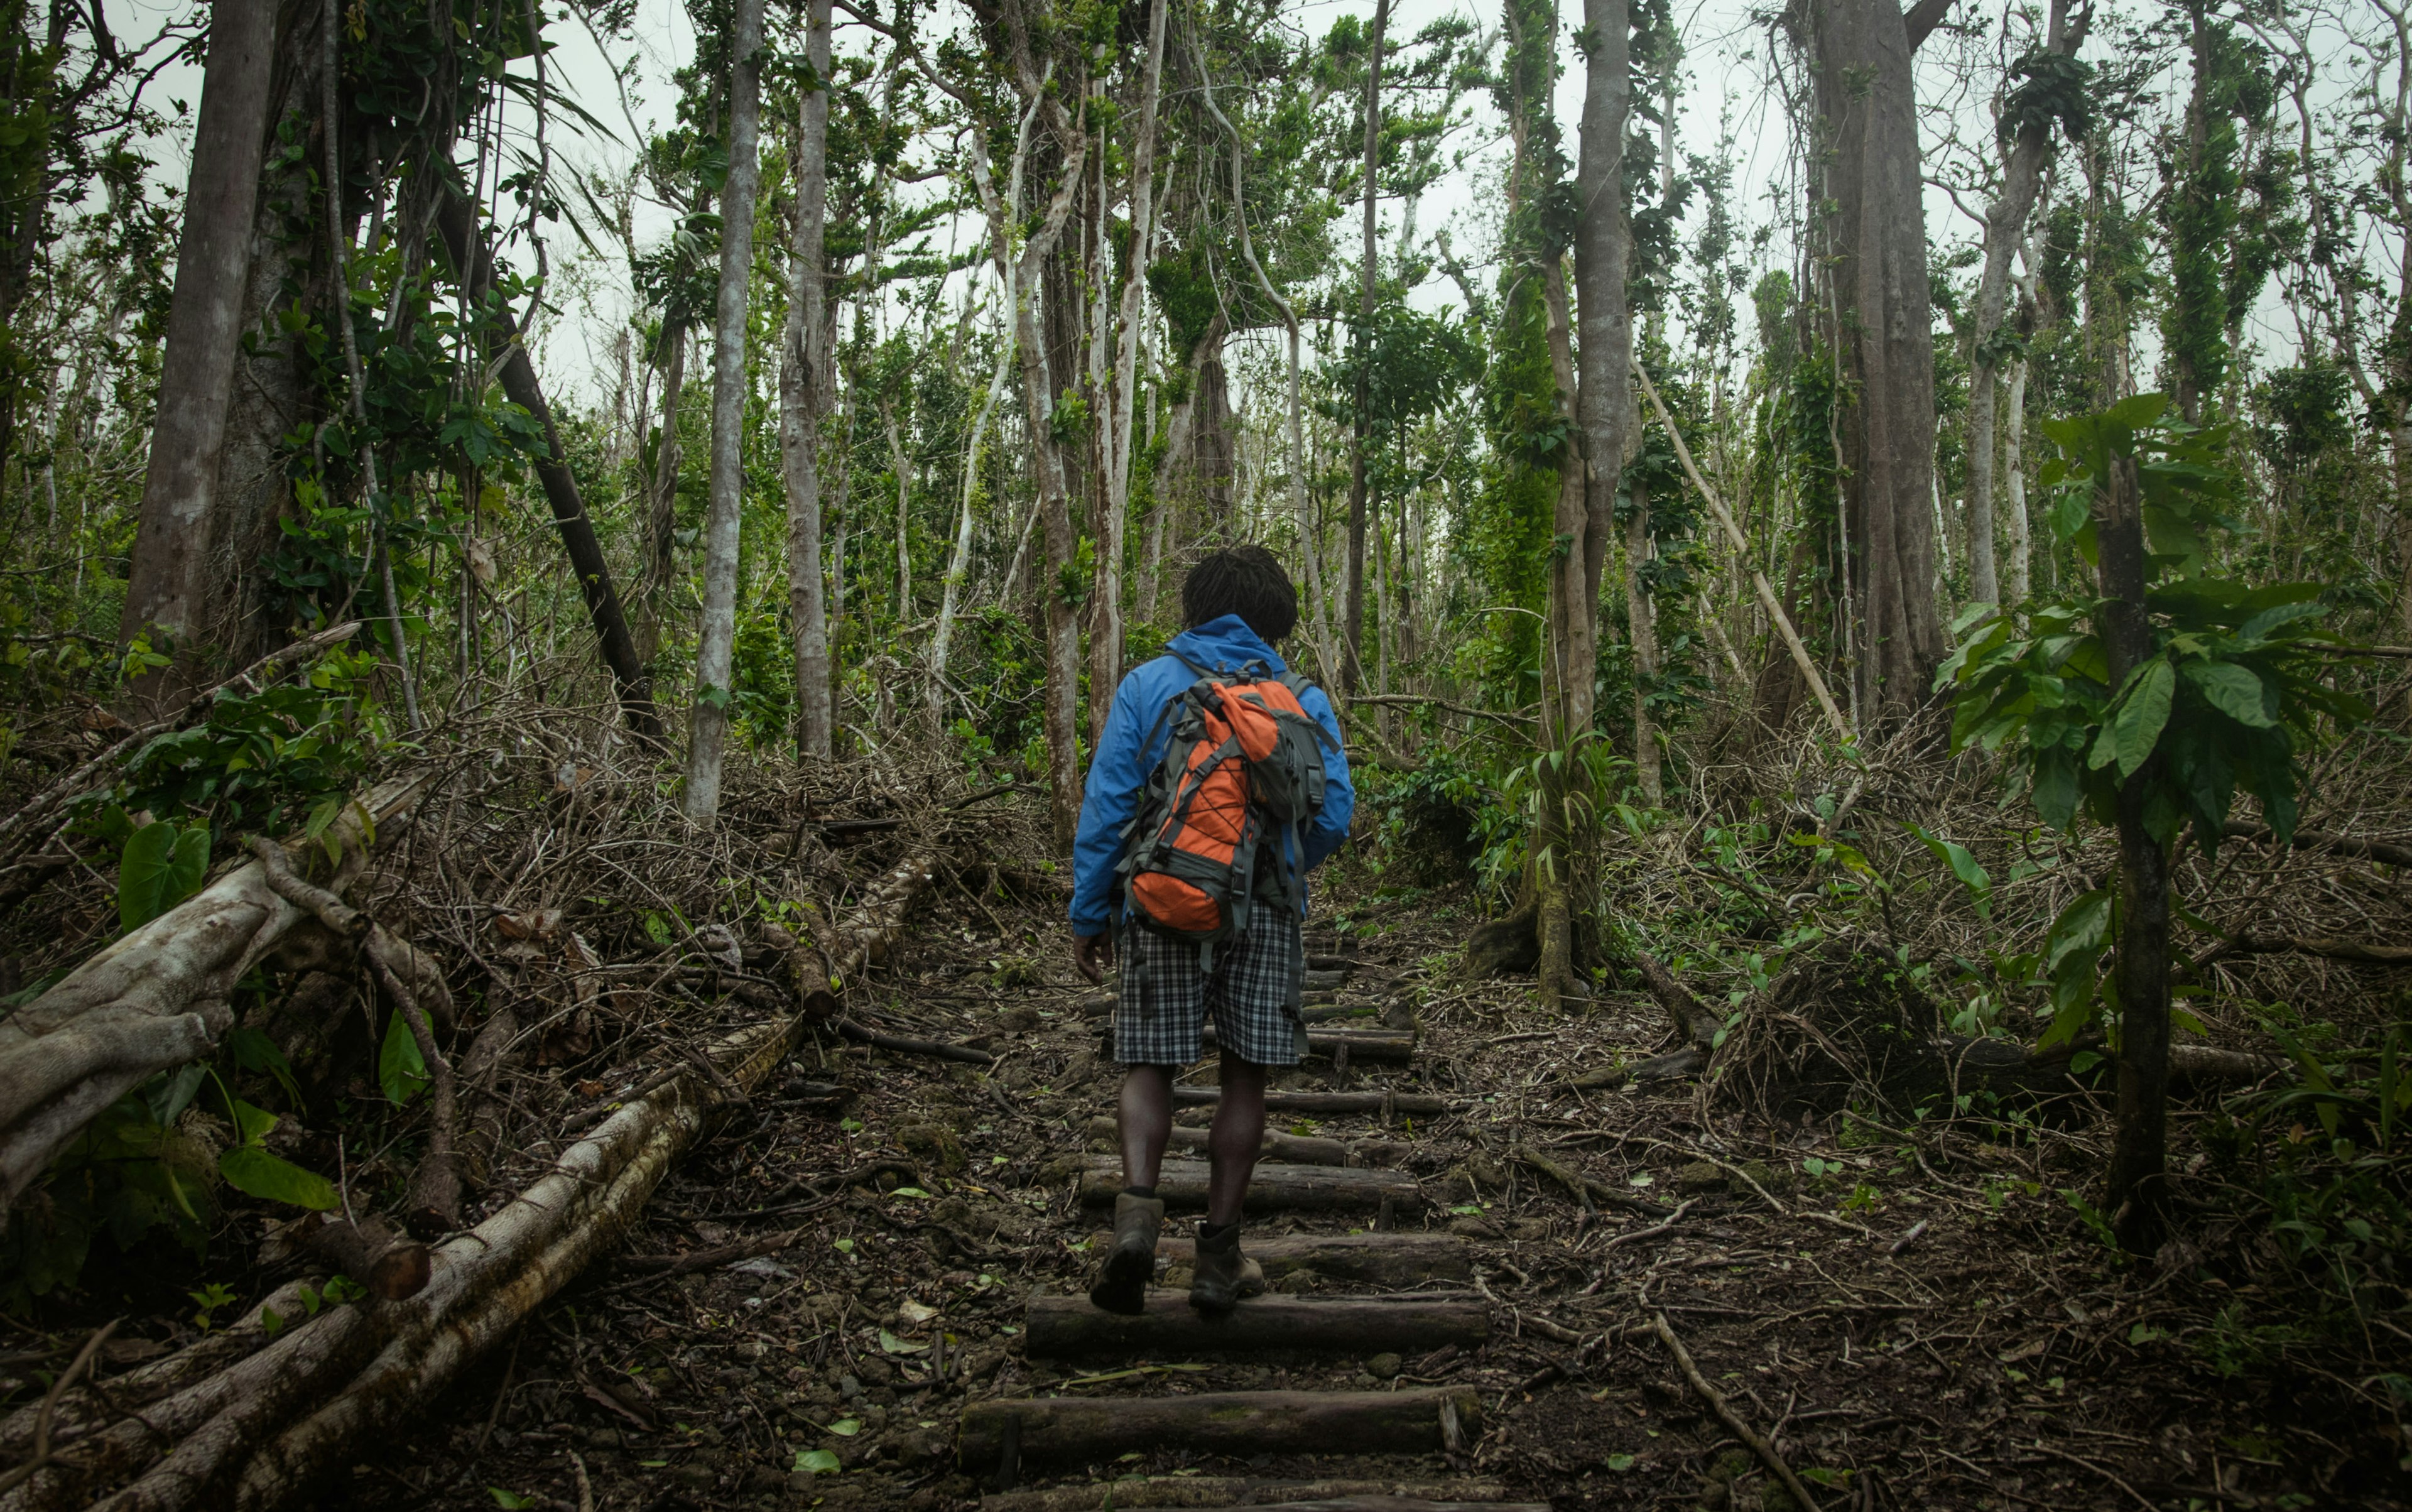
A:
[207,1301]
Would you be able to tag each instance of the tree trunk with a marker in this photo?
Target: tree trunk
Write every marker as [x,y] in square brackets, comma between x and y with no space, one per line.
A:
[803,398]
[1105,627]
[2005,225]
[959,563]
[569,516]
[1055,506]
[2021,546]
[170,585]
[2139,1155]
[715,655]
[1603,251]
[1353,629]
[1866,95]
[661,499]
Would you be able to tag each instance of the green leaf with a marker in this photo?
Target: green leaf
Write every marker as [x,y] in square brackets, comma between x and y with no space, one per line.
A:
[2234,691]
[817,1462]
[509,1500]
[894,1345]
[251,1125]
[846,1426]
[253,1171]
[162,866]
[1963,866]
[1619,1463]
[402,1071]
[2055,785]
[2144,713]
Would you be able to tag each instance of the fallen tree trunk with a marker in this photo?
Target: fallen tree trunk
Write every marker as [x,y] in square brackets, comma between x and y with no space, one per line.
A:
[2368,850]
[1841,1026]
[156,999]
[1064,1327]
[263,1421]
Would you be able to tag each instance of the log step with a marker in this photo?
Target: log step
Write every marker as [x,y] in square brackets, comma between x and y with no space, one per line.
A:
[1395,1260]
[1395,1504]
[1399,1104]
[1288,1148]
[1132,1493]
[1053,1430]
[1065,1328]
[1275,1188]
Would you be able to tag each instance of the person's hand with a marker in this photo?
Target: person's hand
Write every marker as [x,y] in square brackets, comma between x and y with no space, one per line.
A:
[1092,954]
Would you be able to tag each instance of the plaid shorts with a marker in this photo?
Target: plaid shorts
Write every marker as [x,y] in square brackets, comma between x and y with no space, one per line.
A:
[1252,992]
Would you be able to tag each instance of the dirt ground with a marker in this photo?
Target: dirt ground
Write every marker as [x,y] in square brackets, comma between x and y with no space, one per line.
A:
[1914,1318]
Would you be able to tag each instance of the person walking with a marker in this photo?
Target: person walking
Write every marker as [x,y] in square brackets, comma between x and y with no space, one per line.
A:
[1218,782]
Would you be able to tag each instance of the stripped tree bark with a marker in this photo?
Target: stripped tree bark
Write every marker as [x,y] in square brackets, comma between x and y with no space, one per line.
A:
[156,999]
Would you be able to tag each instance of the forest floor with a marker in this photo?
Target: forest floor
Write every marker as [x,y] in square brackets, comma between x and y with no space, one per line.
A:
[1912,1312]
[1915,1317]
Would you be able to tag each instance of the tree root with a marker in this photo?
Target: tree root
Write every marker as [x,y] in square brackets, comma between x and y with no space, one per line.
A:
[1732,1419]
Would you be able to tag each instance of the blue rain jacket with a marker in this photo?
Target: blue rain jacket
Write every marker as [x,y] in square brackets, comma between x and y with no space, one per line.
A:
[1133,745]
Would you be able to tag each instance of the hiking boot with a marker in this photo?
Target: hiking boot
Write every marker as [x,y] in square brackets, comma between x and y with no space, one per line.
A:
[1224,1275]
[1130,1264]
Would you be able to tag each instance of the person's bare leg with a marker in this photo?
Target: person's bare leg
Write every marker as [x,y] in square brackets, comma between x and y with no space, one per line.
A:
[1238,1133]
[1146,1122]
[1139,1213]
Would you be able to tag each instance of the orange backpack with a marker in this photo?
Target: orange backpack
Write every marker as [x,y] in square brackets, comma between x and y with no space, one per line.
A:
[1245,764]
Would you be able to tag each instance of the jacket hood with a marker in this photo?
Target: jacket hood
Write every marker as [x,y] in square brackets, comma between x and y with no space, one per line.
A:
[1225,645]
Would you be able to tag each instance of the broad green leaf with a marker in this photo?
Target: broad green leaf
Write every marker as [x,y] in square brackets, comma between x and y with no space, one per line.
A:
[402,1071]
[2144,714]
[161,867]
[846,1426]
[252,1169]
[251,1125]
[2055,786]
[817,1462]
[894,1345]
[2233,690]
[1963,866]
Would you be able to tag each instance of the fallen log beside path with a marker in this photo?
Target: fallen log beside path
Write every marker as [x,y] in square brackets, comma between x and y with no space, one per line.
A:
[256,1420]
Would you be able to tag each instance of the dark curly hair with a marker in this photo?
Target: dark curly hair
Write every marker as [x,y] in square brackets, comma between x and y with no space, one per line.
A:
[1245,580]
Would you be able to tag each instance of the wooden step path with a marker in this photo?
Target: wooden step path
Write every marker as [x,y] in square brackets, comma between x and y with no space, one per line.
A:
[1411,1312]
